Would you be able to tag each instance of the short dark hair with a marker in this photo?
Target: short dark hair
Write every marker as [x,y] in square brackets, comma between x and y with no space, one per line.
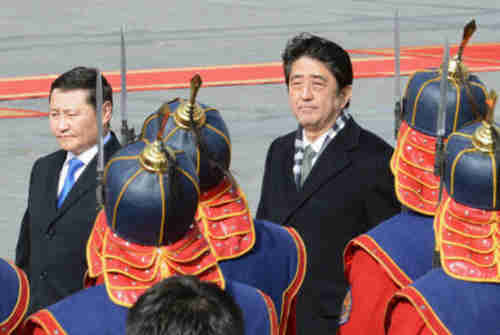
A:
[83,78]
[335,58]
[184,305]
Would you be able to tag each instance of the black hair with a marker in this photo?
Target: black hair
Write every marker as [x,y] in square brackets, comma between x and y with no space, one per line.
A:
[184,305]
[332,55]
[83,78]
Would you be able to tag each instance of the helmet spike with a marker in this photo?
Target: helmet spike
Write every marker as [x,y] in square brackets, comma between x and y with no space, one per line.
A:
[486,136]
[491,102]
[469,30]
[456,68]
[182,115]
[195,85]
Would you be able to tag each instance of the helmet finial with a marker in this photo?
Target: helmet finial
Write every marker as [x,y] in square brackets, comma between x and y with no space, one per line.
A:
[190,111]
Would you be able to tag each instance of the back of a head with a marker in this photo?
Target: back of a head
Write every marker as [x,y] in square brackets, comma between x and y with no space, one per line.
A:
[416,185]
[184,305]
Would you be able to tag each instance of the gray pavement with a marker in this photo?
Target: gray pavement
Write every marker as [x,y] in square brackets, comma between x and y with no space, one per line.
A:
[53,36]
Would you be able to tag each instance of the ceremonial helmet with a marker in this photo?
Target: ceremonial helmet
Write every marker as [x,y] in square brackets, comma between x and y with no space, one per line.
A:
[15,295]
[151,193]
[468,219]
[412,163]
[197,129]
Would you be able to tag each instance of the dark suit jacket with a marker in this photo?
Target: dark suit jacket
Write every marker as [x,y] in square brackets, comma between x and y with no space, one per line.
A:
[51,244]
[349,190]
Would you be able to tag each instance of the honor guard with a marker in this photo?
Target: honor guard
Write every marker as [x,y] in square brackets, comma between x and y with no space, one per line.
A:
[462,296]
[400,250]
[258,253]
[15,296]
[144,234]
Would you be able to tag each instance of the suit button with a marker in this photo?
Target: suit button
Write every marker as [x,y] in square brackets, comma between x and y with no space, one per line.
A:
[43,275]
[50,234]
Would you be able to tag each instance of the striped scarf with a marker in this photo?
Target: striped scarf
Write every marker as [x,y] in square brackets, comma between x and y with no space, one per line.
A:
[339,124]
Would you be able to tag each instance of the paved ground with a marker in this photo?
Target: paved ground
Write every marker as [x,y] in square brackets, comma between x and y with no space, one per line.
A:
[53,36]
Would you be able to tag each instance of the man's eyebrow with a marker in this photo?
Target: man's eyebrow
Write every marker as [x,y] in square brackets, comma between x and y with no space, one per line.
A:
[313,76]
[318,76]
[295,76]
[64,110]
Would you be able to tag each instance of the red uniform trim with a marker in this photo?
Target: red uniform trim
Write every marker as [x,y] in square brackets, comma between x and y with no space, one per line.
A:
[289,296]
[8,325]
[94,247]
[369,245]
[42,322]
[128,269]
[422,307]
[271,310]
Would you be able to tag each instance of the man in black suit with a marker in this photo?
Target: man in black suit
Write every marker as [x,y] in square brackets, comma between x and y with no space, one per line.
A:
[329,179]
[62,203]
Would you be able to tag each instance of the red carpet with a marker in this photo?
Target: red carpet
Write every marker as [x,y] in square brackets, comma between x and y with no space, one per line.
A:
[367,63]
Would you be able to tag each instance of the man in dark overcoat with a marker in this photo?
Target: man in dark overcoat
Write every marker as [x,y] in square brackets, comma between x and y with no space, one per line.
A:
[329,179]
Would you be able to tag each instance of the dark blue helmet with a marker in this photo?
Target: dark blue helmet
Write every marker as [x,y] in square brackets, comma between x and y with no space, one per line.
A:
[204,137]
[151,193]
[413,160]
[422,97]
[472,173]
[468,220]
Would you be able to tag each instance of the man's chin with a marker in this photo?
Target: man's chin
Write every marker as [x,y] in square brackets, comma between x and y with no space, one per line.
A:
[68,146]
[308,124]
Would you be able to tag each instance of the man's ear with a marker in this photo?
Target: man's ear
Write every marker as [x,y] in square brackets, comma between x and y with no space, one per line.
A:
[346,94]
[107,112]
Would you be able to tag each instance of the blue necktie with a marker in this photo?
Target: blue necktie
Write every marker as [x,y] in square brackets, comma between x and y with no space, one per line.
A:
[74,165]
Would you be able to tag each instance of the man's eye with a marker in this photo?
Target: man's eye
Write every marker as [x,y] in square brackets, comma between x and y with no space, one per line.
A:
[319,84]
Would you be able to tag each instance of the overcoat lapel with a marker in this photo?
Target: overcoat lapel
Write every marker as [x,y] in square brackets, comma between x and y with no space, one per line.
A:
[333,160]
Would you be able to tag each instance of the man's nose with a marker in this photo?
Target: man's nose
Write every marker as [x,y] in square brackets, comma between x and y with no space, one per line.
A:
[62,123]
[307,92]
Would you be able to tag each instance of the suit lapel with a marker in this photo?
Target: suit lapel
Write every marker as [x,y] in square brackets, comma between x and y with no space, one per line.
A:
[87,182]
[333,160]
[53,183]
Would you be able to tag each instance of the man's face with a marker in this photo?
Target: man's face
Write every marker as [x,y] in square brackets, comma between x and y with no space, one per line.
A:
[313,96]
[73,120]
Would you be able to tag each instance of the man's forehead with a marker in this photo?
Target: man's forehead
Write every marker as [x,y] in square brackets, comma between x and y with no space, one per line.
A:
[77,95]
[310,67]
[70,100]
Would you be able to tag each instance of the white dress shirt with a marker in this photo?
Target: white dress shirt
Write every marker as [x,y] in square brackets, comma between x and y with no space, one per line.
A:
[85,157]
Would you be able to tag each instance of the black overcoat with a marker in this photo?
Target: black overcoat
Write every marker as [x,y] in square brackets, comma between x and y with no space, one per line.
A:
[349,190]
